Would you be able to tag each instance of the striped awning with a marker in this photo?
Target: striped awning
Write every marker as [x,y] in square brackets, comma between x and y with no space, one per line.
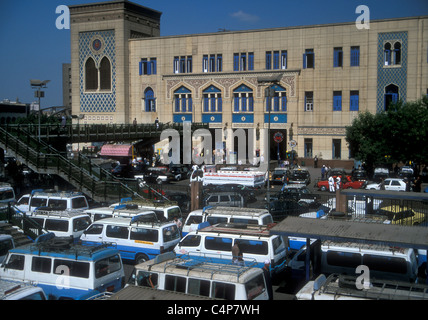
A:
[116,150]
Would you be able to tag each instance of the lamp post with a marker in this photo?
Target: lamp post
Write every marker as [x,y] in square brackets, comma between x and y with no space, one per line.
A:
[269,93]
[37,84]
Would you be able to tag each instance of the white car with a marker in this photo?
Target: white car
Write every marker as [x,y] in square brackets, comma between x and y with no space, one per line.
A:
[390,185]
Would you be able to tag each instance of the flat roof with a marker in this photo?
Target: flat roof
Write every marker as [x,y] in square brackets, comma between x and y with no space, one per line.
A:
[415,237]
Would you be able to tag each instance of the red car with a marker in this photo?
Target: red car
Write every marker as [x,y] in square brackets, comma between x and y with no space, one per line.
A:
[347,183]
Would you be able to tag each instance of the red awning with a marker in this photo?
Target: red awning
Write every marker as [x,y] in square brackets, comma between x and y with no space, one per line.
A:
[116,150]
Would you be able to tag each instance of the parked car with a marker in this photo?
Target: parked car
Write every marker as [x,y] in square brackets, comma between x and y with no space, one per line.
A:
[359,175]
[278,175]
[299,176]
[281,208]
[347,183]
[402,215]
[224,199]
[390,184]
[157,175]
[247,192]
[182,200]
[180,172]
[123,171]
[296,192]
[379,174]
[336,172]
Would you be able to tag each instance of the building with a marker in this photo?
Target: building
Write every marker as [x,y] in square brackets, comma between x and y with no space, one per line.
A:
[66,85]
[10,111]
[122,69]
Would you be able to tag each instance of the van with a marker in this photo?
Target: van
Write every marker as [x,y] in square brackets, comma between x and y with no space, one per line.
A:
[54,200]
[6,243]
[164,211]
[387,263]
[201,278]
[20,291]
[255,244]
[61,223]
[226,215]
[123,211]
[63,269]
[137,241]
[224,199]
[7,194]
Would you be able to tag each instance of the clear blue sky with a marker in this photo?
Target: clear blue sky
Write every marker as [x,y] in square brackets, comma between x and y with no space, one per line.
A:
[33,48]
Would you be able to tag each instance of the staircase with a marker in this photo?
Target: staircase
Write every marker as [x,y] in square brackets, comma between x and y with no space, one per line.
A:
[85,176]
[19,238]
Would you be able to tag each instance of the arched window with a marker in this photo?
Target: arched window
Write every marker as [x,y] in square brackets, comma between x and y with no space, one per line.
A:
[392,54]
[105,74]
[387,54]
[91,75]
[183,100]
[150,102]
[397,53]
[279,101]
[391,95]
[243,99]
[212,99]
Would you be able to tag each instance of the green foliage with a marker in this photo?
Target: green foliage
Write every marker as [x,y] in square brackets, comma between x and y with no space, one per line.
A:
[399,134]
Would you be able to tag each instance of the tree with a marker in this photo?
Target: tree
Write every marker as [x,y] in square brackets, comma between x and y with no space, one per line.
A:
[397,135]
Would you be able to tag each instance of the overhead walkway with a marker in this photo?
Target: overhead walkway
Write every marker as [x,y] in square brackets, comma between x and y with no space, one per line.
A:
[85,176]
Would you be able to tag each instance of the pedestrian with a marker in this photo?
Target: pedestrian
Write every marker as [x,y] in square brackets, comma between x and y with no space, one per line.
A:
[135,122]
[157,123]
[237,257]
[63,122]
[331,184]
[316,162]
[323,171]
[266,272]
[417,184]
[338,182]
[382,184]
[179,224]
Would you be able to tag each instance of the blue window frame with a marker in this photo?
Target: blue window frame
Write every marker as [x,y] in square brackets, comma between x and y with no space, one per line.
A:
[243,99]
[268,60]
[219,63]
[337,100]
[148,67]
[276,60]
[279,101]
[284,59]
[236,62]
[355,56]
[183,64]
[243,61]
[183,100]
[251,61]
[309,59]
[337,57]
[149,100]
[212,99]
[354,101]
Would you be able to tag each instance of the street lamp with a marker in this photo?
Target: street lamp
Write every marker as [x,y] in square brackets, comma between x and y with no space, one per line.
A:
[37,84]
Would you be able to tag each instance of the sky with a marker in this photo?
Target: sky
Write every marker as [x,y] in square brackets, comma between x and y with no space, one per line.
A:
[32,47]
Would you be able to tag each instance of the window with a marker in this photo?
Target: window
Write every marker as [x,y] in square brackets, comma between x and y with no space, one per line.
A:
[337,100]
[337,57]
[218,243]
[56,225]
[81,224]
[79,203]
[255,287]
[343,259]
[392,53]
[309,101]
[183,100]
[284,59]
[205,63]
[148,66]
[216,220]
[149,100]
[279,101]
[142,234]
[337,144]
[40,264]
[183,64]
[243,61]
[385,264]
[107,266]
[308,147]
[105,74]
[95,229]
[199,287]
[355,56]
[279,59]
[223,290]
[191,241]
[268,60]
[147,279]
[309,59]
[117,232]
[253,246]
[354,101]
[16,262]
[174,283]
[212,99]
[91,75]
[75,268]
[170,233]
[243,99]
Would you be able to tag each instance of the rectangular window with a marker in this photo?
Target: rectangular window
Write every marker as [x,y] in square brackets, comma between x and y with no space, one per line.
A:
[199,287]
[143,67]
[337,100]
[309,101]
[40,264]
[284,59]
[205,63]
[143,234]
[189,64]
[212,63]
[107,266]
[236,62]
[268,60]
[176,64]
[218,244]
[309,59]
[223,290]
[354,101]
[173,283]
[308,147]
[219,63]
[182,64]
[117,232]
[251,61]
[75,268]
[337,57]
[355,56]
[337,145]
[243,62]
[276,60]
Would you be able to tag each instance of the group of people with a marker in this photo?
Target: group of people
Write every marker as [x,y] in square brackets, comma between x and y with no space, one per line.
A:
[333,184]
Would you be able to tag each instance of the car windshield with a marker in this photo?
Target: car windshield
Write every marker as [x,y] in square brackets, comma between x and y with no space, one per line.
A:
[299,174]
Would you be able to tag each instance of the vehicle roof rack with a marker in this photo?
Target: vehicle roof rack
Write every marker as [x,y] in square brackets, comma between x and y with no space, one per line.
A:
[239,228]
[54,193]
[57,213]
